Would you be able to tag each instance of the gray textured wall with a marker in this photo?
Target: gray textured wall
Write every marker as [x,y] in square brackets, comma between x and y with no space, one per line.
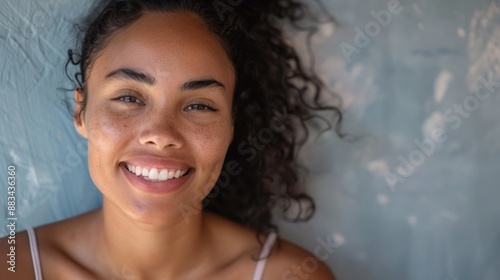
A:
[415,199]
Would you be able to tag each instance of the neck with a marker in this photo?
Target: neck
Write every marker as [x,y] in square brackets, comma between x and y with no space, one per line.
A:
[131,250]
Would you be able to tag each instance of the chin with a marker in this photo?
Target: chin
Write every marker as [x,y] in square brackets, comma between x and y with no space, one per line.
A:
[155,213]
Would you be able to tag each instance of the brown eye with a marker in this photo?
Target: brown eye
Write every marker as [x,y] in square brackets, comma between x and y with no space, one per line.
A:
[128,99]
[201,107]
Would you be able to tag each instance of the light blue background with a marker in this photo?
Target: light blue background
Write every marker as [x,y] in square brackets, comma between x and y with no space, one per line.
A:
[441,223]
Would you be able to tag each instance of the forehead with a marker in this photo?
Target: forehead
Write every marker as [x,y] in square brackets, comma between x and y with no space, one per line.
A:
[167,45]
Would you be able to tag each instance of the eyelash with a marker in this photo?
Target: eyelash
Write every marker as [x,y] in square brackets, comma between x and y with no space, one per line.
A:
[210,108]
[128,97]
[123,97]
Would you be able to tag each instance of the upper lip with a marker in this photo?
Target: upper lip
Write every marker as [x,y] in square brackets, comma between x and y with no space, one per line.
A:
[158,163]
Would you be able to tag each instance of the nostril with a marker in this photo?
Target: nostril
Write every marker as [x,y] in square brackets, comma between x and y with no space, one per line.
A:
[160,141]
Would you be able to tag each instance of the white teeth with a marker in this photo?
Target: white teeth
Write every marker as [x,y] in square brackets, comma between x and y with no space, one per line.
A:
[163,176]
[153,174]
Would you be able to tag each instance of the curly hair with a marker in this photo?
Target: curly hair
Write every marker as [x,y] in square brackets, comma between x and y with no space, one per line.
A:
[274,98]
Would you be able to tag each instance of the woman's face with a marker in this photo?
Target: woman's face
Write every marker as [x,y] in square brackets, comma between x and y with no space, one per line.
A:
[159,97]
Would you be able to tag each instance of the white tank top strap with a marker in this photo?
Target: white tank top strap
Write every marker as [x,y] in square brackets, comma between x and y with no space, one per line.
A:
[34,253]
[261,263]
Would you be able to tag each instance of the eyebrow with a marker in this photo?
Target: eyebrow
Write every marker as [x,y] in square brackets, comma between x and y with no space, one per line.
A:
[197,84]
[131,74]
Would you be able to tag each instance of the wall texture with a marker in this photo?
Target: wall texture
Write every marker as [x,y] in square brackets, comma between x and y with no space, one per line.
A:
[415,198]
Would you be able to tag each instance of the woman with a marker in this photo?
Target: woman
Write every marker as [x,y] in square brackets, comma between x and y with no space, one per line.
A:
[186,106]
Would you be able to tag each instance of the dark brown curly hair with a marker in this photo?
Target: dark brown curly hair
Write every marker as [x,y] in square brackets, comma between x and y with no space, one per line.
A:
[274,98]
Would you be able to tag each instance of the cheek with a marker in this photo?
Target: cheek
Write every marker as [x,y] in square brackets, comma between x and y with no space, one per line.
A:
[105,130]
[212,141]
[106,135]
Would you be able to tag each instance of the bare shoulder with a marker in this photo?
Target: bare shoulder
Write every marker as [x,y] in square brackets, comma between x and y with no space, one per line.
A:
[15,253]
[15,257]
[291,262]
[286,262]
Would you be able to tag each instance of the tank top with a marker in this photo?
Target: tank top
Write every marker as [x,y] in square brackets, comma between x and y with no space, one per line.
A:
[259,269]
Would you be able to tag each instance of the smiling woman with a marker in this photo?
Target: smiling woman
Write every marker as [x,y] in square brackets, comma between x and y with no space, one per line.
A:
[168,94]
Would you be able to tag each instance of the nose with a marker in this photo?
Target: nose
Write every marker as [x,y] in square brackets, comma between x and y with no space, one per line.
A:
[161,130]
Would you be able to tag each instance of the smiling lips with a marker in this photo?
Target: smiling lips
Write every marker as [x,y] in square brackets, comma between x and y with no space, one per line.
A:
[157,175]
